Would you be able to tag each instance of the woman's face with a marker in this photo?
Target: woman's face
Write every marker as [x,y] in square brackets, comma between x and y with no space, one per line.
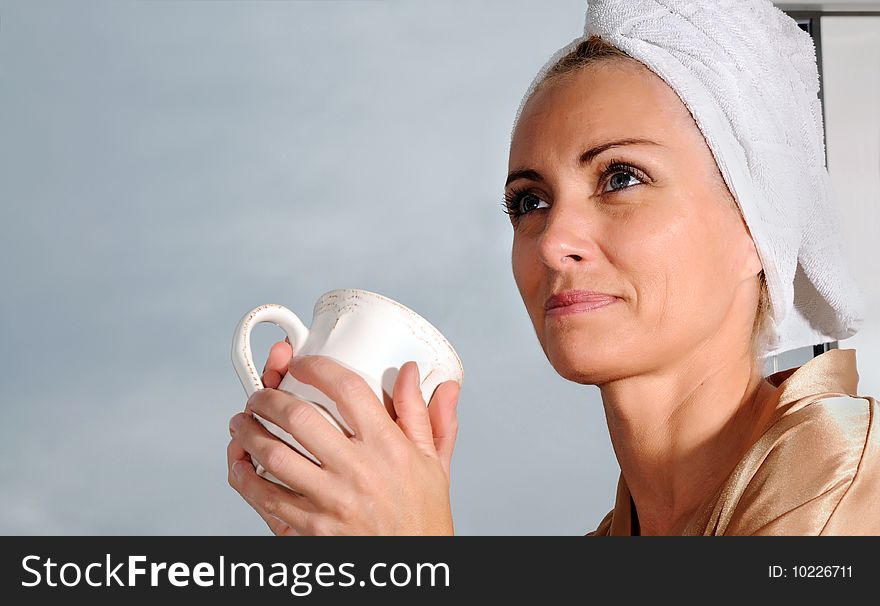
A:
[662,234]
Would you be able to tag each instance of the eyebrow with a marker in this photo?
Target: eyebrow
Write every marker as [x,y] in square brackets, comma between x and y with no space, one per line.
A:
[585,158]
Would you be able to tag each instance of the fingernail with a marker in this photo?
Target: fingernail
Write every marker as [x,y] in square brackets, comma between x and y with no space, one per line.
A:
[234,424]
[236,470]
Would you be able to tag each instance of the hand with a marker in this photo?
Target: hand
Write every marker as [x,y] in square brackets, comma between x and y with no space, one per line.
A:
[391,477]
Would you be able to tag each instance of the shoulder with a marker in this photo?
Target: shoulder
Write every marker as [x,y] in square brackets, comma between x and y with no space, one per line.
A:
[603,528]
[812,472]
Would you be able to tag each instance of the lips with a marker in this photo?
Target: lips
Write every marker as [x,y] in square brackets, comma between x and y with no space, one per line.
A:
[572,297]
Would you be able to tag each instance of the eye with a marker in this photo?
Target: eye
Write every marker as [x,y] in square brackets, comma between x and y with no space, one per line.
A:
[520,202]
[621,174]
[624,183]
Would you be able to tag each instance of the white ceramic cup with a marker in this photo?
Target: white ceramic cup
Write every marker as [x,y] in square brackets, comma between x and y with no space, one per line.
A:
[365,332]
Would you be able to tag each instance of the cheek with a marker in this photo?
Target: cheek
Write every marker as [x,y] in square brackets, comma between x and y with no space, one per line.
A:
[672,263]
[682,273]
[529,274]
[526,268]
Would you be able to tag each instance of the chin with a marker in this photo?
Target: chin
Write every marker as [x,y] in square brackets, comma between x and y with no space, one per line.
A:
[587,365]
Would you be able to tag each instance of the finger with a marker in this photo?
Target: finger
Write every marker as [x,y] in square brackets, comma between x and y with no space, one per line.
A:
[353,396]
[271,379]
[279,356]
[276,364]
[277,505]
[282,461]
[443,413]
[412,414]
[234,453]
[306,424]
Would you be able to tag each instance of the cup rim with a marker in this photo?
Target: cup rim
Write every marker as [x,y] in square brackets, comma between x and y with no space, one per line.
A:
[413,315]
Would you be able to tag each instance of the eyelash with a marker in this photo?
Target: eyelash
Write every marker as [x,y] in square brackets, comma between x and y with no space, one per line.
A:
[511,201]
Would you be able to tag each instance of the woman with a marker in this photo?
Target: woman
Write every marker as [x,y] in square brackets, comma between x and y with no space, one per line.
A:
[647,255]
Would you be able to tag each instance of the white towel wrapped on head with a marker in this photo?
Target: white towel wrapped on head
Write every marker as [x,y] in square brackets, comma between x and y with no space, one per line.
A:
[748,74]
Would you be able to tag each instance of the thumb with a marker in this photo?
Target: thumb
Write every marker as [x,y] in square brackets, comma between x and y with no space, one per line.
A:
[412,412]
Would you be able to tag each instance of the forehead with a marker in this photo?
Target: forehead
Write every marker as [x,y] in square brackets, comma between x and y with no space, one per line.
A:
[608,100]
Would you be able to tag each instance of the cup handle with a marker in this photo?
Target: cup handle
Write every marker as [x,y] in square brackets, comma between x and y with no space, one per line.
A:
[242,359]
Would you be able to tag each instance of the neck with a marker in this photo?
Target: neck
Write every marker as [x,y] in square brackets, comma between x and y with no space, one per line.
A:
[679,430]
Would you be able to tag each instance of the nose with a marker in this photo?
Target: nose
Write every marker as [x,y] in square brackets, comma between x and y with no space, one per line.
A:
[567,237]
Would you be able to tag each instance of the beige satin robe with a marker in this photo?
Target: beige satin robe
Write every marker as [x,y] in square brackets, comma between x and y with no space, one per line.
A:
[814,471]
